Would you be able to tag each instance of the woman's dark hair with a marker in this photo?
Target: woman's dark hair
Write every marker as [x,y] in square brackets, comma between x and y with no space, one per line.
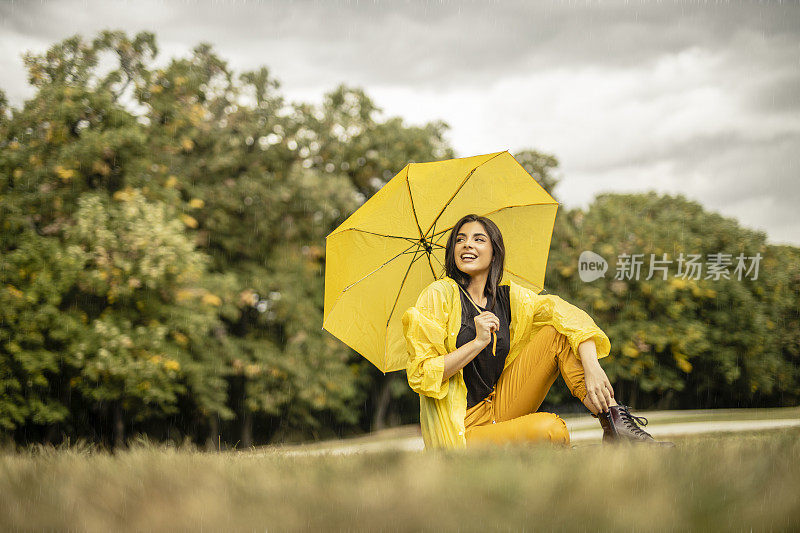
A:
[498,257]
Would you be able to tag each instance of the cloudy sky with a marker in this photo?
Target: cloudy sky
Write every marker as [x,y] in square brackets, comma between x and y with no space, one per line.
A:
[694,97]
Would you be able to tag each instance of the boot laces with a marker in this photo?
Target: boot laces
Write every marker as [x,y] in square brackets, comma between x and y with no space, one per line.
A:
[631,421]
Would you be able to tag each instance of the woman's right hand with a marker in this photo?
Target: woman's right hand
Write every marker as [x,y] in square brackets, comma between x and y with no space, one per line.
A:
[486,323]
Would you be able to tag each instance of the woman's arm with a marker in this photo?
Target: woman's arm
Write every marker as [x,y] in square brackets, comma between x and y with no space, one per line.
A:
[571,321]
[599,392]
[458,359]
[429,365]
[425,331]
[485,323]
[588,341]
[587,351]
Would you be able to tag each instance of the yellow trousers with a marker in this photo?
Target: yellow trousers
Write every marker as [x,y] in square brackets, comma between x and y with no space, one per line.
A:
[509,414]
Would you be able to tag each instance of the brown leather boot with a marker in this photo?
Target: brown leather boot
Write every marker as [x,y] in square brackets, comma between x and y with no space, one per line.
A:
[619,425]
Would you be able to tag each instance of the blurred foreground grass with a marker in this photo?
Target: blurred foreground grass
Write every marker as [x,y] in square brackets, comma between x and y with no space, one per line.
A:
[732,482]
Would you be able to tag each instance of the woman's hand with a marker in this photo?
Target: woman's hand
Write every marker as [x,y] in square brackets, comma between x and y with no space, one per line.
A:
[485,323]
[600,394]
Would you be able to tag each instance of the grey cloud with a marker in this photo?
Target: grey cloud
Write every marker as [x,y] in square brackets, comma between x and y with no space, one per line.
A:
[755,181]
[432,44]
[779,93]
[440,46]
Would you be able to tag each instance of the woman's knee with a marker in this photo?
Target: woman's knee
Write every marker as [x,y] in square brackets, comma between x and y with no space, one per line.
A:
[553,336]
[551,427]
[548,331]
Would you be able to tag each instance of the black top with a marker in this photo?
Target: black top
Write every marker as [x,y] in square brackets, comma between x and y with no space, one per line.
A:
[481,374]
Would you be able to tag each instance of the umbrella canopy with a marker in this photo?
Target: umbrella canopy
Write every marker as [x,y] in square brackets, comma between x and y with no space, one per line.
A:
[381,257]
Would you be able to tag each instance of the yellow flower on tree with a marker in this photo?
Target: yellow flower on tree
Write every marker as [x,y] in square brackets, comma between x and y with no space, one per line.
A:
[65,174]
[212,299]
[189,221]
[180,338]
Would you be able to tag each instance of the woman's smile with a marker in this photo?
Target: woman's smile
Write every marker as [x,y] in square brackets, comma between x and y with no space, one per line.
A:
[473,249]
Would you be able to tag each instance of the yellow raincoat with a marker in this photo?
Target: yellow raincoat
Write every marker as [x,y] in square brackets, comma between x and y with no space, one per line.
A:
[431,328]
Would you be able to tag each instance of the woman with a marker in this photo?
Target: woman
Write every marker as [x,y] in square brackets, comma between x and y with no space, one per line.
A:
[483,354]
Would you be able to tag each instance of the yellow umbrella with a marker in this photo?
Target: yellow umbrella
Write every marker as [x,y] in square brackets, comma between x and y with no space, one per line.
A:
[381,257]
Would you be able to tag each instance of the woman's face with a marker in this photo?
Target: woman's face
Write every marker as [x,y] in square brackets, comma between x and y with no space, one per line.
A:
[473,249]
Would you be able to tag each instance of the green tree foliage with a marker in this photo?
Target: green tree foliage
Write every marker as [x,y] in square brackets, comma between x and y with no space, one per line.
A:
[148,341]
[679,341]
[163,246]
[542,167]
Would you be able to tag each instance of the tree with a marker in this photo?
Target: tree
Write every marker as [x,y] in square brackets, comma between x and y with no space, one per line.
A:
[147,342]
[107,175]
[541,167]
[679,341]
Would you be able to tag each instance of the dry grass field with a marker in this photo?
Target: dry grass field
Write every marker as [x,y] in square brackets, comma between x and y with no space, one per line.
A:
[738,482]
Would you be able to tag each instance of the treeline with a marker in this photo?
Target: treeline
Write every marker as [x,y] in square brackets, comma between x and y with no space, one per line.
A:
[717,324]
[162,235]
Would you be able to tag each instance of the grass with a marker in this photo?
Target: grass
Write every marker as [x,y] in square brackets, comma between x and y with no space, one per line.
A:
[738,483]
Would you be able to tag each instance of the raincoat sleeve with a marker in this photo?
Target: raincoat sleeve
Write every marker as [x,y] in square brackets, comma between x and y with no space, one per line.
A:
[425,330]
[569,320]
